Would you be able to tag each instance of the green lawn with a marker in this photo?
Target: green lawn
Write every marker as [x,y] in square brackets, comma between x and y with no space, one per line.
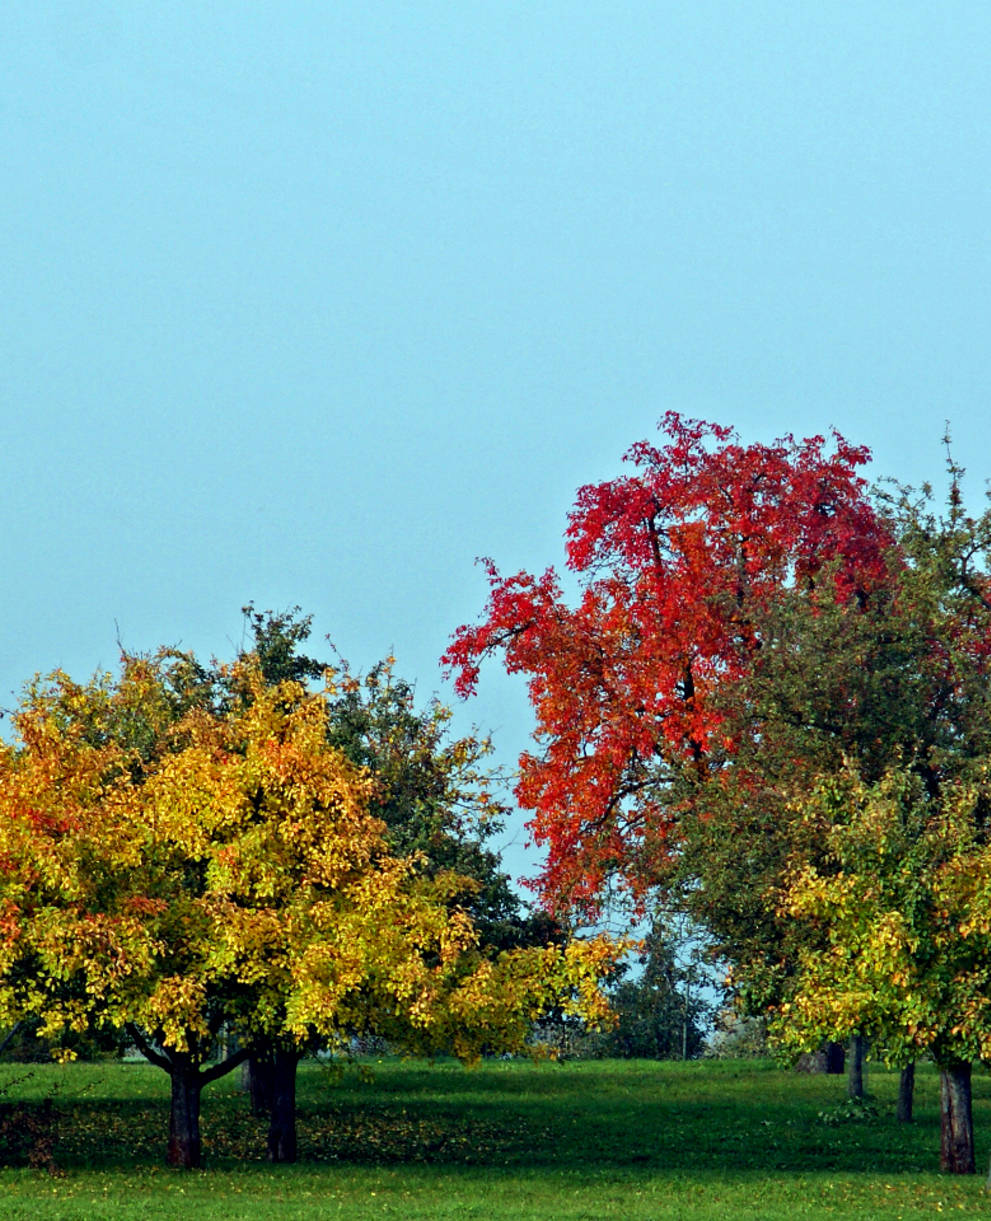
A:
[734,1140]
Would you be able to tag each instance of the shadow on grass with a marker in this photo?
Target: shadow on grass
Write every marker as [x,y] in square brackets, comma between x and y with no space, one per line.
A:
[599,1117]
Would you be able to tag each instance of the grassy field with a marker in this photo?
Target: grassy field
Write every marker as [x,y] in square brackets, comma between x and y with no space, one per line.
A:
[736,1140]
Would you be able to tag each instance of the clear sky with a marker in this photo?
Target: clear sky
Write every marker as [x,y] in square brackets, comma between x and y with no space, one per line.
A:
[316,302]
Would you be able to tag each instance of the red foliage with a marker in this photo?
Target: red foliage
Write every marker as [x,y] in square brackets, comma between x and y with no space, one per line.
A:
[672,559]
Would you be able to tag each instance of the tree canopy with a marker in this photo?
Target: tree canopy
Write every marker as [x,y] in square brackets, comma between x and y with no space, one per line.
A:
[173,875]
[676,563]
[771,702]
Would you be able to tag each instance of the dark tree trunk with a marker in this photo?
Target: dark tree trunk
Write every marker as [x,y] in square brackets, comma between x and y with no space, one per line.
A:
[906,1093]
[185,1149]
[261,1081]
[188,1079]
[855,1075]
[282,1127]
[835,1058]
[956,1150]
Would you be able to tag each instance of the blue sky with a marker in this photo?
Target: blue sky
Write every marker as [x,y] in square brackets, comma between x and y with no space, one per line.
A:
[316,302]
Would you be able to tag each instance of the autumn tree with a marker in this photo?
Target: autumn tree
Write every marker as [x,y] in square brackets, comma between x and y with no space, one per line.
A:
[899,898]
[752,625]
[903,896]
[677,562]
[435,791]
[235,878]
[99,929]
[833,680]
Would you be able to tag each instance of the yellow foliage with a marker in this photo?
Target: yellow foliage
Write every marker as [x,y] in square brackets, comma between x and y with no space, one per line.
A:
[903,907]
[225,868]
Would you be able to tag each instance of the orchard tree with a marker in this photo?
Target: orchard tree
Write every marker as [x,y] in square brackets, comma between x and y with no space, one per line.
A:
[678,562]
[904,895]
[434,791]
[99,929]
[238,879]
[752,624]
[898,901]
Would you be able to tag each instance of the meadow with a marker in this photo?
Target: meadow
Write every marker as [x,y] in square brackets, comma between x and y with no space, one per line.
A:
[510,1139]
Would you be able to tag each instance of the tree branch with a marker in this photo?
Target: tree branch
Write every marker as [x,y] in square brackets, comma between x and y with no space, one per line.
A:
[225,1066]
[153,1057]
[10,1034]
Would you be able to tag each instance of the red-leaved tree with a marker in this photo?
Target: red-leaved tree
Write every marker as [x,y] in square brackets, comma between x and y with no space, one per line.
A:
[677,561]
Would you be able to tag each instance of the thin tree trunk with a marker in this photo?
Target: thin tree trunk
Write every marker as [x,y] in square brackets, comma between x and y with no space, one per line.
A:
[906,1093]
[956,1151]
[8,1038]
[855,1075]
[185,1147]
[282,1127]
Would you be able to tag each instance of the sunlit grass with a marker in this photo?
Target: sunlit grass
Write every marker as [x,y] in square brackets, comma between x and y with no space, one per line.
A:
[511,1139]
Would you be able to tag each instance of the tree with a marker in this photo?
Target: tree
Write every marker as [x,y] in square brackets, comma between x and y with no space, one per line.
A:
[433,791]
[436,795]
[675,561]
[905,895]
[752,624]
[234,877]
[96,932]
[899,896]
[662,1013]
[834,680]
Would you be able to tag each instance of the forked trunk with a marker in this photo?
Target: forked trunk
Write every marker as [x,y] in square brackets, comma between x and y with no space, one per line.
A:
[956,1151]
[282,1125]
[188,1079]
[906,1093]
[185,1149]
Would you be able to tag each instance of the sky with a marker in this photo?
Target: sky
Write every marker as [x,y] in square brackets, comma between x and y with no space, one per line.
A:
[315,303]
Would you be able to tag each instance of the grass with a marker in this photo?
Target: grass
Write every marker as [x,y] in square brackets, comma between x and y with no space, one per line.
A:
[739,1140]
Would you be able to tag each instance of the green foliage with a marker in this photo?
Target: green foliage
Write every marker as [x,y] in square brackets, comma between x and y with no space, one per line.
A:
[894,683]
[435,793]
[662,1013]
[276,638]
[850,1111]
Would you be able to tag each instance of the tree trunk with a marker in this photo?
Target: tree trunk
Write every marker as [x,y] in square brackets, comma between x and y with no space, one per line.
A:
[185,1149]
[188,1080]
[956,1151]
[906,1093]
[282,1127]
[855,1075]
[835,1058]
[261,1081]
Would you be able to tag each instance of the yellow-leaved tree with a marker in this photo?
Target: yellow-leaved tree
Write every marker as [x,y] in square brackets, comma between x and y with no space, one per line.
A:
[176,869]
[903,896]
